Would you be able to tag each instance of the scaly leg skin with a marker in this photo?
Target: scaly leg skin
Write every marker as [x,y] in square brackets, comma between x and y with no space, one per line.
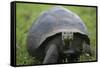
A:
[51,55]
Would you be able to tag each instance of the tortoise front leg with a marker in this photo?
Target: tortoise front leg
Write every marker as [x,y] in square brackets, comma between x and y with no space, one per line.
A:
[51,55]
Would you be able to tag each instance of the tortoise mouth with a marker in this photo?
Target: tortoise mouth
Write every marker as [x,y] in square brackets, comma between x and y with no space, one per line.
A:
[68,52]
[71,53]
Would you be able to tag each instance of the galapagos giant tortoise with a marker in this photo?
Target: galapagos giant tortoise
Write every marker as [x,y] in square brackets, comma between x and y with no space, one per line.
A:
[58,36]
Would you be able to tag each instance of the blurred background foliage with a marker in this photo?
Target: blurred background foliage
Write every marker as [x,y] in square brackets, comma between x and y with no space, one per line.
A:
[26,14]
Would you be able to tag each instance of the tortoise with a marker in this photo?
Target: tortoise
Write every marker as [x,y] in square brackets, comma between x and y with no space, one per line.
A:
[58,36]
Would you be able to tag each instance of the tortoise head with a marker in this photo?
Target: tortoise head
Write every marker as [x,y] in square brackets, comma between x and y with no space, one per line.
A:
[74,46]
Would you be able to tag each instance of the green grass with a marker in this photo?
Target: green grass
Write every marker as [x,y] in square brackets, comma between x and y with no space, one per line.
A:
[27,13]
